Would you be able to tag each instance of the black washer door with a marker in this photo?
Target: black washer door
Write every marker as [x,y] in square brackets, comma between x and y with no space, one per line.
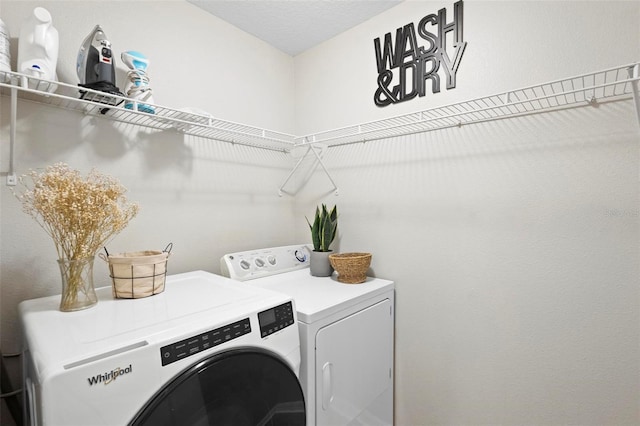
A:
[235,388]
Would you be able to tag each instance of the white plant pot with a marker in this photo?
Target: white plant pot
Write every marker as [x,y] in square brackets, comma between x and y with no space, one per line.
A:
[320,265]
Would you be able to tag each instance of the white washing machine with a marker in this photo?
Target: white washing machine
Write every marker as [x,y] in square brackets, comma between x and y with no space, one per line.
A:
[346,331]
[204,352]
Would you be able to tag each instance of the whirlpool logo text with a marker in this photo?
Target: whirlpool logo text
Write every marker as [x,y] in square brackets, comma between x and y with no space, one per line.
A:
[110,376]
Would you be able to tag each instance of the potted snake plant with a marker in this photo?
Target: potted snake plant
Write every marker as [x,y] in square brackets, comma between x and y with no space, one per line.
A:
[323,232]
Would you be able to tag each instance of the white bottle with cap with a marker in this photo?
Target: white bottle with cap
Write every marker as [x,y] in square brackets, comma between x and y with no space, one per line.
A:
[38,49]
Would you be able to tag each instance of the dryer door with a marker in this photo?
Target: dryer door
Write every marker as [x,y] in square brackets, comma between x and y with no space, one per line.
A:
[239,387]
[354,369]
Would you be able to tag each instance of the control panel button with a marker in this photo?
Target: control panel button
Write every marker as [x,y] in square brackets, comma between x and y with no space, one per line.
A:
[271,259]
[275,319]
[259,262]
[245,265]
[195,344]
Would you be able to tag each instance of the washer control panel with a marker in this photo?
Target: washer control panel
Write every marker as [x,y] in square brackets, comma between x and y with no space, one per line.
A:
[275,319]
[248,265]
[198,343]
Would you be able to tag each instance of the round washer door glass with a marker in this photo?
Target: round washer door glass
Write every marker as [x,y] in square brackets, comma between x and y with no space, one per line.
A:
[239,387]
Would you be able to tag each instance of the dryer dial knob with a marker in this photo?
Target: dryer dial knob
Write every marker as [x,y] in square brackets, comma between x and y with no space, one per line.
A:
[271,259]
[259,262]
[245,265]
[301,256]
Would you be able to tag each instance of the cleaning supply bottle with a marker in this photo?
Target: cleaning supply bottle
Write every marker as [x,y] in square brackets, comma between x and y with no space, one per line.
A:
[38,49]
[5,53]
[137,86]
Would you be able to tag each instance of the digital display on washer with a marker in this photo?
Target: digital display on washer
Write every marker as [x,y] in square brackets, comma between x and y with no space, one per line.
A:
[275,319]
[198,343]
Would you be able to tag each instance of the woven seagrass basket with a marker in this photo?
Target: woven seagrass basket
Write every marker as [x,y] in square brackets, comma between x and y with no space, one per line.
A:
[351,267]
[137,274]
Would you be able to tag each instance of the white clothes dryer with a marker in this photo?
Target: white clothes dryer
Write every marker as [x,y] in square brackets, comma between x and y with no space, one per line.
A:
[346,335]
[203,352]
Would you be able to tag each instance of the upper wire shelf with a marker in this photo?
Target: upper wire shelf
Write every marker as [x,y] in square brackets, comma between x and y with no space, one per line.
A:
[588,89]
[619,83]
[123,109]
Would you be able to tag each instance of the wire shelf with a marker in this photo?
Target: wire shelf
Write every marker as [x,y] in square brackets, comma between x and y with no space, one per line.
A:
[588,89]
[619,83]
[122,109]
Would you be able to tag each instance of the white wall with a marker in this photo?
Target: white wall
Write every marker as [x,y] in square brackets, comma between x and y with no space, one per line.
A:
[514,244]
[207,197]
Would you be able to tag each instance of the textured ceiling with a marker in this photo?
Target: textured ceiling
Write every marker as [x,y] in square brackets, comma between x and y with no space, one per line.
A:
[294,26]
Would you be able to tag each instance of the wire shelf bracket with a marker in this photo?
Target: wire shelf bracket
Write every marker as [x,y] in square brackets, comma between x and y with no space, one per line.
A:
[313,154]
[634,75]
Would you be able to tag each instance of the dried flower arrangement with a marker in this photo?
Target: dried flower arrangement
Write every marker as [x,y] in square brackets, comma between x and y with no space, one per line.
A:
[80,214]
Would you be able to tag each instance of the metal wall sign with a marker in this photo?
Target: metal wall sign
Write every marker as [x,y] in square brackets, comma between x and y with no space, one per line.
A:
[419,57]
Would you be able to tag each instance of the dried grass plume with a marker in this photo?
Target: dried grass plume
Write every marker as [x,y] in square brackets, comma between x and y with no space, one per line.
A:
[79,213]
